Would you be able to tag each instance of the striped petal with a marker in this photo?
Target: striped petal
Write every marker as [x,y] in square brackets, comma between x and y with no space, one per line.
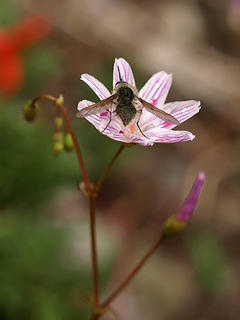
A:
[156,88]
[113,129]
[122,72]
[159,135]
[181,110]
[100,121]
[100,90]
[140,139]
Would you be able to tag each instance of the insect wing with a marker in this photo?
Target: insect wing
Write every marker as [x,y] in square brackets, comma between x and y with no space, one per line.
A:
[159,113]
[95,108]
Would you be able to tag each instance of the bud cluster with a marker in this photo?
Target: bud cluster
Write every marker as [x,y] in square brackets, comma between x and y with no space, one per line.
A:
[62,141]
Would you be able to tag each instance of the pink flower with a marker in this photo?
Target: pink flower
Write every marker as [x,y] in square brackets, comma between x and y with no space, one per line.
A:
[150,129]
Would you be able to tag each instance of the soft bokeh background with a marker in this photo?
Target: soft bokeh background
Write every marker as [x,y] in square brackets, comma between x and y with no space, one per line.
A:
[44,247]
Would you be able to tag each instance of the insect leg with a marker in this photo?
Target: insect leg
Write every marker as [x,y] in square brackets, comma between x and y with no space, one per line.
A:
[110,112]
[141,130]
[140,111]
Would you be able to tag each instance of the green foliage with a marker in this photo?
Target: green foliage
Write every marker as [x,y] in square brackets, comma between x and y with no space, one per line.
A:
[29,171]
[37,281]
[208,259]
[40,278]
[40,64]
[8,13]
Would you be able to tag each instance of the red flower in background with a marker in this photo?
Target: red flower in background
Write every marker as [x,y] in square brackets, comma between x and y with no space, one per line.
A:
[12,42]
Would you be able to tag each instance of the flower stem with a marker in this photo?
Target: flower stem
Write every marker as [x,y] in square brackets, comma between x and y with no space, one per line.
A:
[132,274]
[106,171]
[94,250]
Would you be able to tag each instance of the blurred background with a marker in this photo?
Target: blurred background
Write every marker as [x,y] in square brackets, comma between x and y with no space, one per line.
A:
[45,269]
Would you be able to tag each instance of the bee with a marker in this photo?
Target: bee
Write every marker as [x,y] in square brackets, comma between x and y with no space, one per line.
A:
[127,105]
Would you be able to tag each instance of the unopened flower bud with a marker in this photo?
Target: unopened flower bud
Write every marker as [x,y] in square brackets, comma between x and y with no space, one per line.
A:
[178,222]
[30,111]
[58,143]
[58,123]
[58,137]
[68,142]
[58,148]
[60,100]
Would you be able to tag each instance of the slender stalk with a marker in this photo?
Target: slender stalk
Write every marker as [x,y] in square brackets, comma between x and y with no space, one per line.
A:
[106,171]
[94,250]
[132,274]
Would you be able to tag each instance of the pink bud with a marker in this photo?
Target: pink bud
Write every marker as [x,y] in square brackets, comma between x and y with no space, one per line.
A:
[190,203]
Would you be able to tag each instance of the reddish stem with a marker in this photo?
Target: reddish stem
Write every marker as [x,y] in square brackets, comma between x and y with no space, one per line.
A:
[106,171]
[132,273]
[94,250]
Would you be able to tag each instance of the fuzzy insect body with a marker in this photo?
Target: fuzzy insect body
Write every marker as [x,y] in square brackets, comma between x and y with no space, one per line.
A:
[125,103]
[125,108]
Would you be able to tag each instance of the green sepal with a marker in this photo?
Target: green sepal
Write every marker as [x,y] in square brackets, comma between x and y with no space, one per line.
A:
[173,226]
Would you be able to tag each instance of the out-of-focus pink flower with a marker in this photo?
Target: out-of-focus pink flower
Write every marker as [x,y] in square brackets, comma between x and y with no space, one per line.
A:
[153,129]
[190,203]
[178,222]
[12,42]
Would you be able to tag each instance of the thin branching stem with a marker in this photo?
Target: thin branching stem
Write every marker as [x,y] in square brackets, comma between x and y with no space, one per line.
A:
[106,171]
[132,274]
[92,212]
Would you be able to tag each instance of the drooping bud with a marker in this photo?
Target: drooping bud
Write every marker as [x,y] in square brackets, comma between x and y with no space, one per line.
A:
[58,137]
[178,222]
[68,142]
[30,111]
[58,143]
[58,148]
[58,123]
[60,100]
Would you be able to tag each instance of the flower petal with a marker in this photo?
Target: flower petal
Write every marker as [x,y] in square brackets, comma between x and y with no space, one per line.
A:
[115,132]
[99,121]
[143,141]
[181,110]
[97,86]
[190,203]
[156,88]
[113,129]
[159,135]
[122,66]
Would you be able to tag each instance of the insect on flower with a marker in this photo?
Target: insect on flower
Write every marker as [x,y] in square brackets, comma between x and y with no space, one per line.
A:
[132,117]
